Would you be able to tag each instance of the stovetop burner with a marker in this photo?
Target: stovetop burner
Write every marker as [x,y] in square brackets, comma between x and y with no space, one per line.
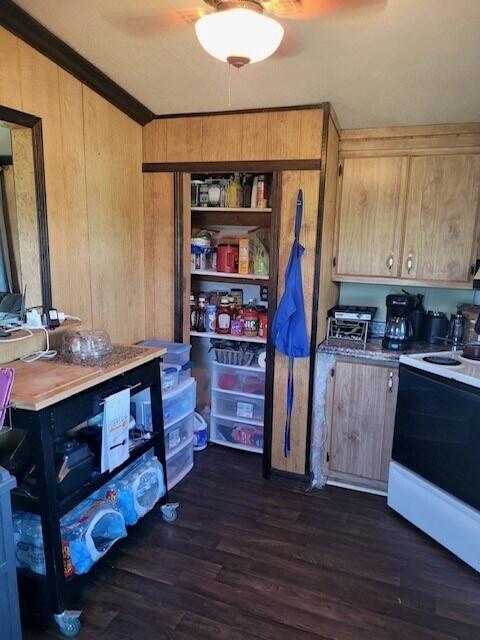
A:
[443,360]
[469,358]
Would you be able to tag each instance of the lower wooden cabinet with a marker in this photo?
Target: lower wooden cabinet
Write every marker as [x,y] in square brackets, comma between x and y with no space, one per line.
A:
[361,405]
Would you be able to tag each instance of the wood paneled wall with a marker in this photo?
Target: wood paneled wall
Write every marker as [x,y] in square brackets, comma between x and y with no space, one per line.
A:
[292,181]
[294,134]
[93,156]
[328,290]
[270,135]
[159,255]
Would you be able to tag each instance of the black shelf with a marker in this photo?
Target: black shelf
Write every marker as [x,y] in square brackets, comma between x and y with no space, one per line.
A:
[235,217]
[32,504]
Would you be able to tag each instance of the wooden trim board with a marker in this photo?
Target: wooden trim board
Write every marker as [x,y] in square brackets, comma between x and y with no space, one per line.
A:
[254,166]
[35,124]
[233,112]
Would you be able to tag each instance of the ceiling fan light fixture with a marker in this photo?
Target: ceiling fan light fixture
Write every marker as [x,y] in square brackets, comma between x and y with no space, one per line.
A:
[238,35]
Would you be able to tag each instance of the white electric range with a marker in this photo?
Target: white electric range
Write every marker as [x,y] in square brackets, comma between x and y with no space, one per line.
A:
[458,368]
[434,476]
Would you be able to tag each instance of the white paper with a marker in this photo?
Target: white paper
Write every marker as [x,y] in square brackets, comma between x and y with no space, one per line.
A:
[245,410]
[116,417]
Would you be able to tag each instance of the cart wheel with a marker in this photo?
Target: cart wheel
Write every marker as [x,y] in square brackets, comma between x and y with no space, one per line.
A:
[68,624]
[170,512]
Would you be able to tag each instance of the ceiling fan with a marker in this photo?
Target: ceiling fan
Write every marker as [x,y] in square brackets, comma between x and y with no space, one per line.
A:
[242,32]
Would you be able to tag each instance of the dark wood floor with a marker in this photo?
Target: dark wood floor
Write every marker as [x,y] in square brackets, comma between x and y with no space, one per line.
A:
[248,559]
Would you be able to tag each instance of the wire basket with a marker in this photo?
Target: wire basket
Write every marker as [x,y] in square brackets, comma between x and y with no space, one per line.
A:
[240,358]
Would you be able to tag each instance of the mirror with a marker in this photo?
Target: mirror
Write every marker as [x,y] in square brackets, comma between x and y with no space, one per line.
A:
[24,259]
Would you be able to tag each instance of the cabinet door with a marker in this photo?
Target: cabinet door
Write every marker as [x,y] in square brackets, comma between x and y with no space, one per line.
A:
[371,207]
[441,216]
[362,421]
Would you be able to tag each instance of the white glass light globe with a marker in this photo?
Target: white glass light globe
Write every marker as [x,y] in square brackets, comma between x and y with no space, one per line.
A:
[239,33]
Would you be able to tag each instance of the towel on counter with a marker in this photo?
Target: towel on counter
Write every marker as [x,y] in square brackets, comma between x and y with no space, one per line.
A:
[116,417]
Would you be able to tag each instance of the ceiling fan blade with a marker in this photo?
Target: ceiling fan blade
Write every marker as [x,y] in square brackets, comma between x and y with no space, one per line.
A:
[311,9]
[291,43]
[149,25]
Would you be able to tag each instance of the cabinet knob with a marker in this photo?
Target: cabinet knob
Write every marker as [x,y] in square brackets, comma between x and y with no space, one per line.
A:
[390,262]
[390,382]
[409,263]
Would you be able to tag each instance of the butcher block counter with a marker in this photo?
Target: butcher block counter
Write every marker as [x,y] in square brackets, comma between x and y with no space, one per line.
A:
[43,383]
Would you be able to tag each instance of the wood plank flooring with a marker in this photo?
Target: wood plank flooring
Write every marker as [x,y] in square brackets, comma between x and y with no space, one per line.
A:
[250,560]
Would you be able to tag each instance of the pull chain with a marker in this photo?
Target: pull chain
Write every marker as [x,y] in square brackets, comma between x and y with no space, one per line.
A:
[229,85]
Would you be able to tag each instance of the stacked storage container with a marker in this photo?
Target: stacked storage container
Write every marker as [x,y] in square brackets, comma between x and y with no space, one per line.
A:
[178,408]
[238,403]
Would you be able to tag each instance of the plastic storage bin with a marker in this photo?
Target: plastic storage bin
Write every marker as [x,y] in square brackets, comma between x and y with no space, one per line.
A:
[177,353]
[248,380]
[180,464]
[242,408]
[178,434]
[185,372]
[9,612]
[180,402]
[239,435]
[169,376]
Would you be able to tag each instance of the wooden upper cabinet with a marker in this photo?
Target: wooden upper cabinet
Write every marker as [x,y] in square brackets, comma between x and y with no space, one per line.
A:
[370,216]
[441,218]
[362,422]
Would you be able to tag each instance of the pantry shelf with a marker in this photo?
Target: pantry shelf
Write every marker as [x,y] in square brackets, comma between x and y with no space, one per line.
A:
[220,276]
[222,336]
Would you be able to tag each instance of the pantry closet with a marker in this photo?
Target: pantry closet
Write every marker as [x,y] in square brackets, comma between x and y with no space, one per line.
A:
[234,245]
[237,247]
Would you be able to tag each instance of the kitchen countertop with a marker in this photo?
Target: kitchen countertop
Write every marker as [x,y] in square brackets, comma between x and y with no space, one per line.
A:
[374,349]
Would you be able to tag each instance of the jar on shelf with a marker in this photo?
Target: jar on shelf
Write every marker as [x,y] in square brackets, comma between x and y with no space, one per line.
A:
[195,192]
[263,324]
[211,318]
[224,316]
[224,185]
[214,193]
[203,195]
[261,193]
[193,313]
[235,192]
[201,314]
[250,320]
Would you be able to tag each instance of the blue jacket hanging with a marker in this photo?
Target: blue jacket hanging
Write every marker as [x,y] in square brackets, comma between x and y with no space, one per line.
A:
[289,332]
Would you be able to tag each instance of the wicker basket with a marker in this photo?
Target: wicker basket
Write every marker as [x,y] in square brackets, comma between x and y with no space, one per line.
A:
[232,356]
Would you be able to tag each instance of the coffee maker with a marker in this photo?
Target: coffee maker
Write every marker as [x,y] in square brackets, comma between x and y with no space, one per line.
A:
[399,327]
